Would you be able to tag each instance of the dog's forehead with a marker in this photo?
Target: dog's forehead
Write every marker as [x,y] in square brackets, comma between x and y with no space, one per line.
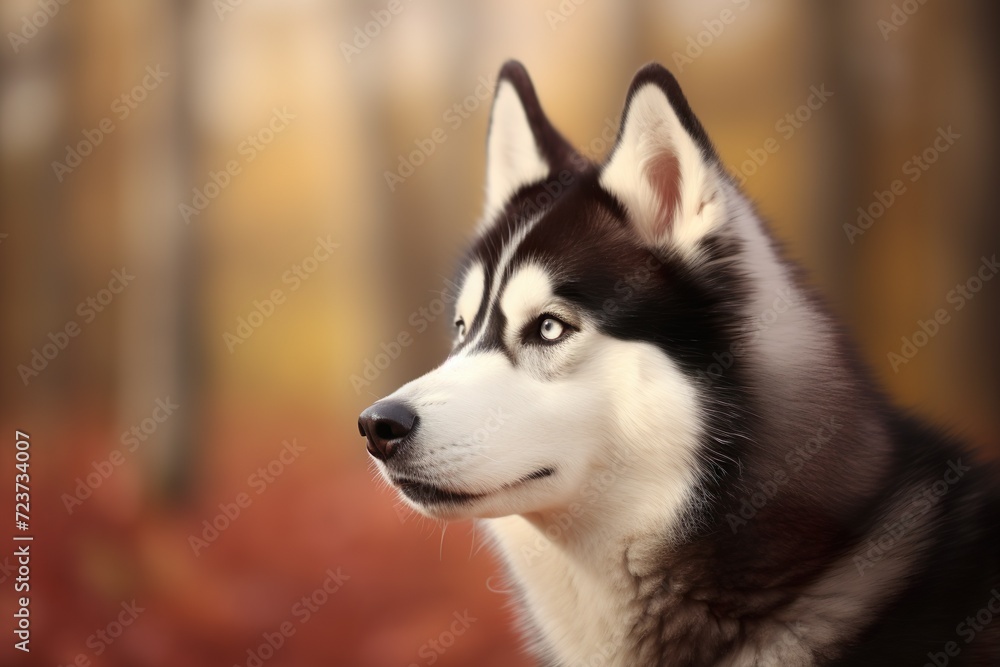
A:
[529,288]
[570,256]
[535,226]
[574,252]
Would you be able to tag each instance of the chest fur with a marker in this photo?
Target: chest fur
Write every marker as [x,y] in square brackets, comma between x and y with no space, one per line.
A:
[614,604]
[575,612]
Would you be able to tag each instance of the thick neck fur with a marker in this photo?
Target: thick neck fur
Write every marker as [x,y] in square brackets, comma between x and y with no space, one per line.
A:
[721,567]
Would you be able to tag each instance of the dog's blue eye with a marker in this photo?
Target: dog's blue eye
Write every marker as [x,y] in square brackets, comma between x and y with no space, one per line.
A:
[551,329]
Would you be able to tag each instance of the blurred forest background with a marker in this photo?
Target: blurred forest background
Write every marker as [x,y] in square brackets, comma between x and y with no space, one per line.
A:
[229,161]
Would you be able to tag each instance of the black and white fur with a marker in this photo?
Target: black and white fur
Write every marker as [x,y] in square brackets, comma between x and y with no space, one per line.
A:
[678,454]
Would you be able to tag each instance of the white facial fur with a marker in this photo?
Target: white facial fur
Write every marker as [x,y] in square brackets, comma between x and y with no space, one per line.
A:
[580,406]
[469,299]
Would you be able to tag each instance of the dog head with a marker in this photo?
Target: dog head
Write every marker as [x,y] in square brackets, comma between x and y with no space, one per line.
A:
[592,304]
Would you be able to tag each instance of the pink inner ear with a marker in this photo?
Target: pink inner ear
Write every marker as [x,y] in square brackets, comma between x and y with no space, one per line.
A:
[665,177]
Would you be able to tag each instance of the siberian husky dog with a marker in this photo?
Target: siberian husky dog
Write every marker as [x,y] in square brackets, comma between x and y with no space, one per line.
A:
[674,446]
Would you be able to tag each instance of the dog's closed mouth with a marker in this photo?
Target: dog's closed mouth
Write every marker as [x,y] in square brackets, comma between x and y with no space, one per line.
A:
[430,494]
[538,474]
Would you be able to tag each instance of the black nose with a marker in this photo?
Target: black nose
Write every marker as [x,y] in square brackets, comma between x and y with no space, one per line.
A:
[386,425]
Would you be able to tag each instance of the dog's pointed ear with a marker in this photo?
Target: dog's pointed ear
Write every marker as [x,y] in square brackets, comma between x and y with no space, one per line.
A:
[522,146]
[663,168]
